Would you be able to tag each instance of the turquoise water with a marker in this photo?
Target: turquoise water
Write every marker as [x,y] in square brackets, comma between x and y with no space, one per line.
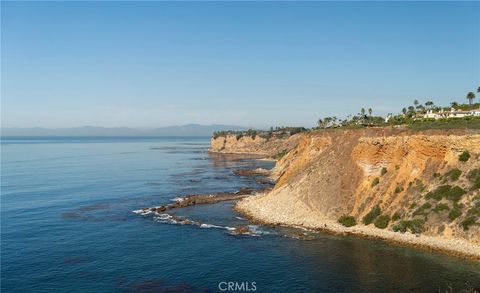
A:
[67,226]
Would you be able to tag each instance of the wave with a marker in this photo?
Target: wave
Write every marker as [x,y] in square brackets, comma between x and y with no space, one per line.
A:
[177,220]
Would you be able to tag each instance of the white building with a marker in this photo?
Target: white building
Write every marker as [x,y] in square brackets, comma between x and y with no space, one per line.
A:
[389,116]
[451,114]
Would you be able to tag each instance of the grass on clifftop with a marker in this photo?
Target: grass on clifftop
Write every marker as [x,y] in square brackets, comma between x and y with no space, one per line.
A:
[449,123]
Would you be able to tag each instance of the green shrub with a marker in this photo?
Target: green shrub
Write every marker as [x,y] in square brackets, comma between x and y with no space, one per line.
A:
[446,191]
[384,171]
[474,210]
[441,207]
[463,157]
[347,221]
[455,193]
[455,212]
[402,227]
[436,175]
[398,189]
[453,174]
[397,167]
[382,221]
[396,217]
[468,221]
[372,215]
[474,177]
[422,208]
[439,193]
[426,205]
[375,181]
[415,226]
[433,195]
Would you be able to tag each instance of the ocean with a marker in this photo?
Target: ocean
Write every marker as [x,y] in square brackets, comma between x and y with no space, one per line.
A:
[68,225]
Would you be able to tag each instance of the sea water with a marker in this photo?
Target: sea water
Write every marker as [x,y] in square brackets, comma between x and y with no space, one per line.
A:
[67,225]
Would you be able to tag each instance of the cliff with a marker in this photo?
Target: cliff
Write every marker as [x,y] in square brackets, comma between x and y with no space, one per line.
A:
[268,146]
[402,182]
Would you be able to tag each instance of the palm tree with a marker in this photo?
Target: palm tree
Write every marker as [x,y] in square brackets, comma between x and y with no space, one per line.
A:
[362,115]
[470,97]
[429,104]
[327,121]
[320,123]
[370,112]
[404,111]
[478,89]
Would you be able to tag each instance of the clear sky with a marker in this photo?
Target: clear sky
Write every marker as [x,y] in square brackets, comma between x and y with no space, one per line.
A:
[148,64]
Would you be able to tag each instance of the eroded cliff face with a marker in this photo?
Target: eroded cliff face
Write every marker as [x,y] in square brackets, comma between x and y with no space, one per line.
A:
[408,176]
[257,144]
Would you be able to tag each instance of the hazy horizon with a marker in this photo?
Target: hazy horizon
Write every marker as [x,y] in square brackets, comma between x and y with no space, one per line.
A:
[254,64]
[87,130]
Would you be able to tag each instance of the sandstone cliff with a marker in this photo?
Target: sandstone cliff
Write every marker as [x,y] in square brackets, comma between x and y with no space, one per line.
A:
[246,144]
[412,182]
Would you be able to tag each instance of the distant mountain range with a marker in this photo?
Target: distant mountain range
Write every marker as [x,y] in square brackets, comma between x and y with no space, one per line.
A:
[182,130]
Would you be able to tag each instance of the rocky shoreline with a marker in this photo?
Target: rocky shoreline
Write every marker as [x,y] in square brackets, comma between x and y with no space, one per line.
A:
[262,213]
[289,204]
[201,199]
[165,214]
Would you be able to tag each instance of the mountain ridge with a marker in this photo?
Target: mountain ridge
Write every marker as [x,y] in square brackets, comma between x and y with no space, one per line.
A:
[87,130]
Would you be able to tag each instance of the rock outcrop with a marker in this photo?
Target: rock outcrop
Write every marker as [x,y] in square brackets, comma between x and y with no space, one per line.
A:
[246,144]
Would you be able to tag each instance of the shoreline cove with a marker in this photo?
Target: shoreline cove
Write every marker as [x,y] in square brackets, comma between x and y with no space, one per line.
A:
[246,206]
[321,176]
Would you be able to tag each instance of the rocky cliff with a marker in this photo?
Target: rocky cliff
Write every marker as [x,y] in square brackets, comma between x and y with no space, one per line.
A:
[245,144]
[386,179]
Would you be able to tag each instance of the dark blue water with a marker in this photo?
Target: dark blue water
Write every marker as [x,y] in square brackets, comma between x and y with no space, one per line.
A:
[67,226]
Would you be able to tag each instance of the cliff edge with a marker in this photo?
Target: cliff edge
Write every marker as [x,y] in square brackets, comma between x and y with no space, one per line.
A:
[410,187]
[272,146]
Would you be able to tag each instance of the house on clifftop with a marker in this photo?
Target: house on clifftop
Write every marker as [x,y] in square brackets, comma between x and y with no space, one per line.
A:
[453,113]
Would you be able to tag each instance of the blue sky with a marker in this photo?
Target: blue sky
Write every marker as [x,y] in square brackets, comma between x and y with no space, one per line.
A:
[148,64]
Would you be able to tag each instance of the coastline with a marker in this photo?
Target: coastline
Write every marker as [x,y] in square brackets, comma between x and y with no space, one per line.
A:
[328,174]
[256,211]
